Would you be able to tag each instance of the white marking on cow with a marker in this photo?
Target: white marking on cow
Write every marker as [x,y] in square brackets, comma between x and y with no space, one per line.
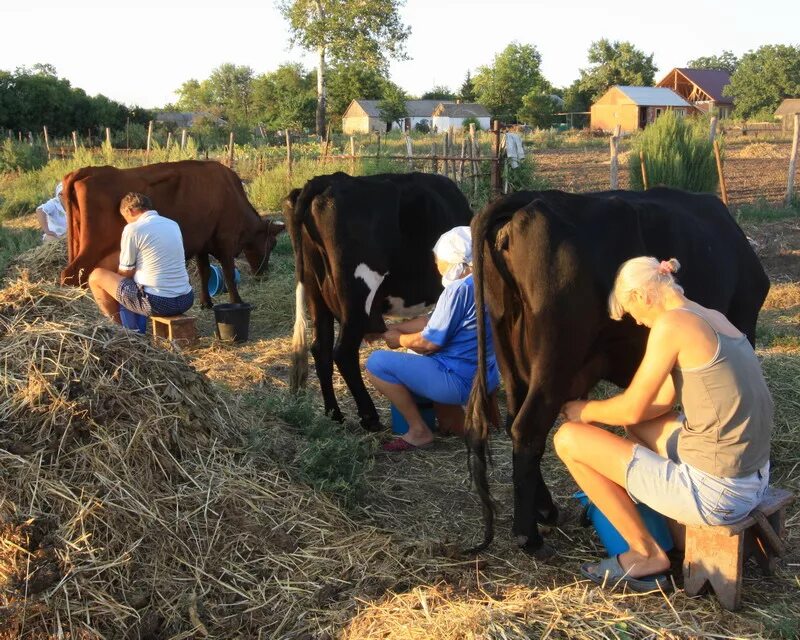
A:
[372,279]
[398,308]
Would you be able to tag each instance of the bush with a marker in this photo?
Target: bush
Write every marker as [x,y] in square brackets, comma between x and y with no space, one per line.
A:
[21,156]
[468,121]
[677,153]
[423,127]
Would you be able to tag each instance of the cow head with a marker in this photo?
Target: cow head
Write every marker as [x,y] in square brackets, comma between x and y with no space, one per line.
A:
[259,247]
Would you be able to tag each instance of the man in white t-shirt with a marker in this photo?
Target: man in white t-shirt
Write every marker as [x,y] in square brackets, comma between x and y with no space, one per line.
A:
[52,217]
[152,278]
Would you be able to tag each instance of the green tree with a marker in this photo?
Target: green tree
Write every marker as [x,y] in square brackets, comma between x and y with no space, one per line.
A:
[368,32]
[231,88]
[285,98]
[194,96]
[763,78]
[513,74]
[439,92]
[615,63]
[726,61]
[538,110]
[348,82]
[467,90]
[393,105]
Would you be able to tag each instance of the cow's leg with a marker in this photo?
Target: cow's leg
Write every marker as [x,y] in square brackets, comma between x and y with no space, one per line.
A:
[322,352]
[345,354]
[532,500]
[204,269]
[227,264]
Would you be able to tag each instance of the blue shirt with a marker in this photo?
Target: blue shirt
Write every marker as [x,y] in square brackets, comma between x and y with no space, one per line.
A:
[453,326]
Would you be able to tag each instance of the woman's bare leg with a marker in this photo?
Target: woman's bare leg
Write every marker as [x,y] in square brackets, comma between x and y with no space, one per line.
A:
[598,460]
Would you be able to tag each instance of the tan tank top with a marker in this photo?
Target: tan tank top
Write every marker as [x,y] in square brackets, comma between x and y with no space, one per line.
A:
[728,409]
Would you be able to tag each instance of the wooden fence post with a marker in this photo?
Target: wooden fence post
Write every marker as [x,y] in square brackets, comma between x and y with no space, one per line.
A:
[108,136]
[378,154]
[473,154]
[289,154]
[723,188]
[713,132]
[169,139]
[183,139]
[614,143]
[434,162]
[230,151]
[463,156]
[496,169]
[75,141]
[149,139]
[409,153]
[446,152]
[352,155]
[644,171]
[793,161]
[46,142]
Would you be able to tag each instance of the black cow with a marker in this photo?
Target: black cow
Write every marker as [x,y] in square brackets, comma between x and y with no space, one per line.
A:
[363,248]
[546,263]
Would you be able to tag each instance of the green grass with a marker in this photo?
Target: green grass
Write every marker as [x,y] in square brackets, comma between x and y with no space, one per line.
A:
[763,211]
[13,242]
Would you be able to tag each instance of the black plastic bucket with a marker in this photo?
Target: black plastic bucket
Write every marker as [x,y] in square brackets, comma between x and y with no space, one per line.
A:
[233,321]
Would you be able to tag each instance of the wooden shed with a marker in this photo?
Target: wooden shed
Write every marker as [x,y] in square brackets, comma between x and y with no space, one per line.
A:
[703,88]
[634,107]
[785,112]
[363,116]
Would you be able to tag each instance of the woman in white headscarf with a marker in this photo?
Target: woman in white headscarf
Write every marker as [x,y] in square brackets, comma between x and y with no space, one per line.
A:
[447,338]
[52,217]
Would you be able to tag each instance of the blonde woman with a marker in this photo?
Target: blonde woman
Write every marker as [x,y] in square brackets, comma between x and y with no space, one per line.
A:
[708,464]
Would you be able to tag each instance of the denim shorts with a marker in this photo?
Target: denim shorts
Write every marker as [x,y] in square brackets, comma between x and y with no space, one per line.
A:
[681,492]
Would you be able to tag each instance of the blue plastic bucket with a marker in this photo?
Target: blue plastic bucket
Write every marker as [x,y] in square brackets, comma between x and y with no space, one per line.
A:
[216,281]
[613,542]
[425,406]
[132,320]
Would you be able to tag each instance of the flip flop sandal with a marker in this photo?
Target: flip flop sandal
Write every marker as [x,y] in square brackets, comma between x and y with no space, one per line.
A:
[398,445]
[609,573]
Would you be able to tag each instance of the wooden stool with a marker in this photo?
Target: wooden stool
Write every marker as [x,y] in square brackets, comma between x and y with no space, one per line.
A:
[180,329]
[715,555]
[450,417]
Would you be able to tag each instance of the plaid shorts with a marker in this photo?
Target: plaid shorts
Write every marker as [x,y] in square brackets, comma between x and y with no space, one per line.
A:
[131,296]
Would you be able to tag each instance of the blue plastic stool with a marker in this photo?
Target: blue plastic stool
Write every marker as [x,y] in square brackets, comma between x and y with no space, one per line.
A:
[613,542]
[132,320]
[425,406]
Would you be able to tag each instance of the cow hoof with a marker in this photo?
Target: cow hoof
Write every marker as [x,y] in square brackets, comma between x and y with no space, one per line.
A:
[207,305]
[542,551]
[336,415]
[372,425]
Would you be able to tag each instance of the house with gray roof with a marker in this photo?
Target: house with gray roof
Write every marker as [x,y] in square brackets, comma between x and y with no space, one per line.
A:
[364,116]
[634,108]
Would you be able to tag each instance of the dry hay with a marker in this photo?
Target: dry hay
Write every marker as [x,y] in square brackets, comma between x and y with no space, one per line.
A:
[759,150]
[44,262]
[130,508]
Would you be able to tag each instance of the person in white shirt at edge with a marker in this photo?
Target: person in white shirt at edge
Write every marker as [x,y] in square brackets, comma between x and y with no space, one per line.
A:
[52,217]
[152,278]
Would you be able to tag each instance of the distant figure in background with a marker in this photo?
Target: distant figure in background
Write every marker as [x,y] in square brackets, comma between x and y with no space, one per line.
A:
[152,278]
[52,217]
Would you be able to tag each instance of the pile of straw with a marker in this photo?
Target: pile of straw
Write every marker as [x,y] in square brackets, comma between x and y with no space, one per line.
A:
[44,262]
[131,509]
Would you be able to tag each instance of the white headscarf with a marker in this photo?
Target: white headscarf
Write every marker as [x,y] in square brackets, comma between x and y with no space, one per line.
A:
[455,248]
[59,189]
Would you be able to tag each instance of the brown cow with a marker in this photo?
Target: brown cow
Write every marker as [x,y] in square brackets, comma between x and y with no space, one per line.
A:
[205,198]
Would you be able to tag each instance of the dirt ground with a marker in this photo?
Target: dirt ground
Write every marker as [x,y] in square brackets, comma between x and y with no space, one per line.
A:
[752,170]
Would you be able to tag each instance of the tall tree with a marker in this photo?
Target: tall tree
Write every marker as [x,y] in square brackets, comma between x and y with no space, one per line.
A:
[347,82]
[439,92]
[763,78]
[393,105]
[467,90]
[285,98]
[514,73]
[726,61]
[615,63]
[231,88]
[367,31]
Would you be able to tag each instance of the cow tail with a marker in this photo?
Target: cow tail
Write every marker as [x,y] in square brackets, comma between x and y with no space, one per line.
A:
[477,414]
[299,371]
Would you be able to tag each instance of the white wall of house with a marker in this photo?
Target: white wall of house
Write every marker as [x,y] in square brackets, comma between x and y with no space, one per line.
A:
[443,123]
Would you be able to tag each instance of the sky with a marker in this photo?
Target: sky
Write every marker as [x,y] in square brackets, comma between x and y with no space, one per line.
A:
[141,52]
